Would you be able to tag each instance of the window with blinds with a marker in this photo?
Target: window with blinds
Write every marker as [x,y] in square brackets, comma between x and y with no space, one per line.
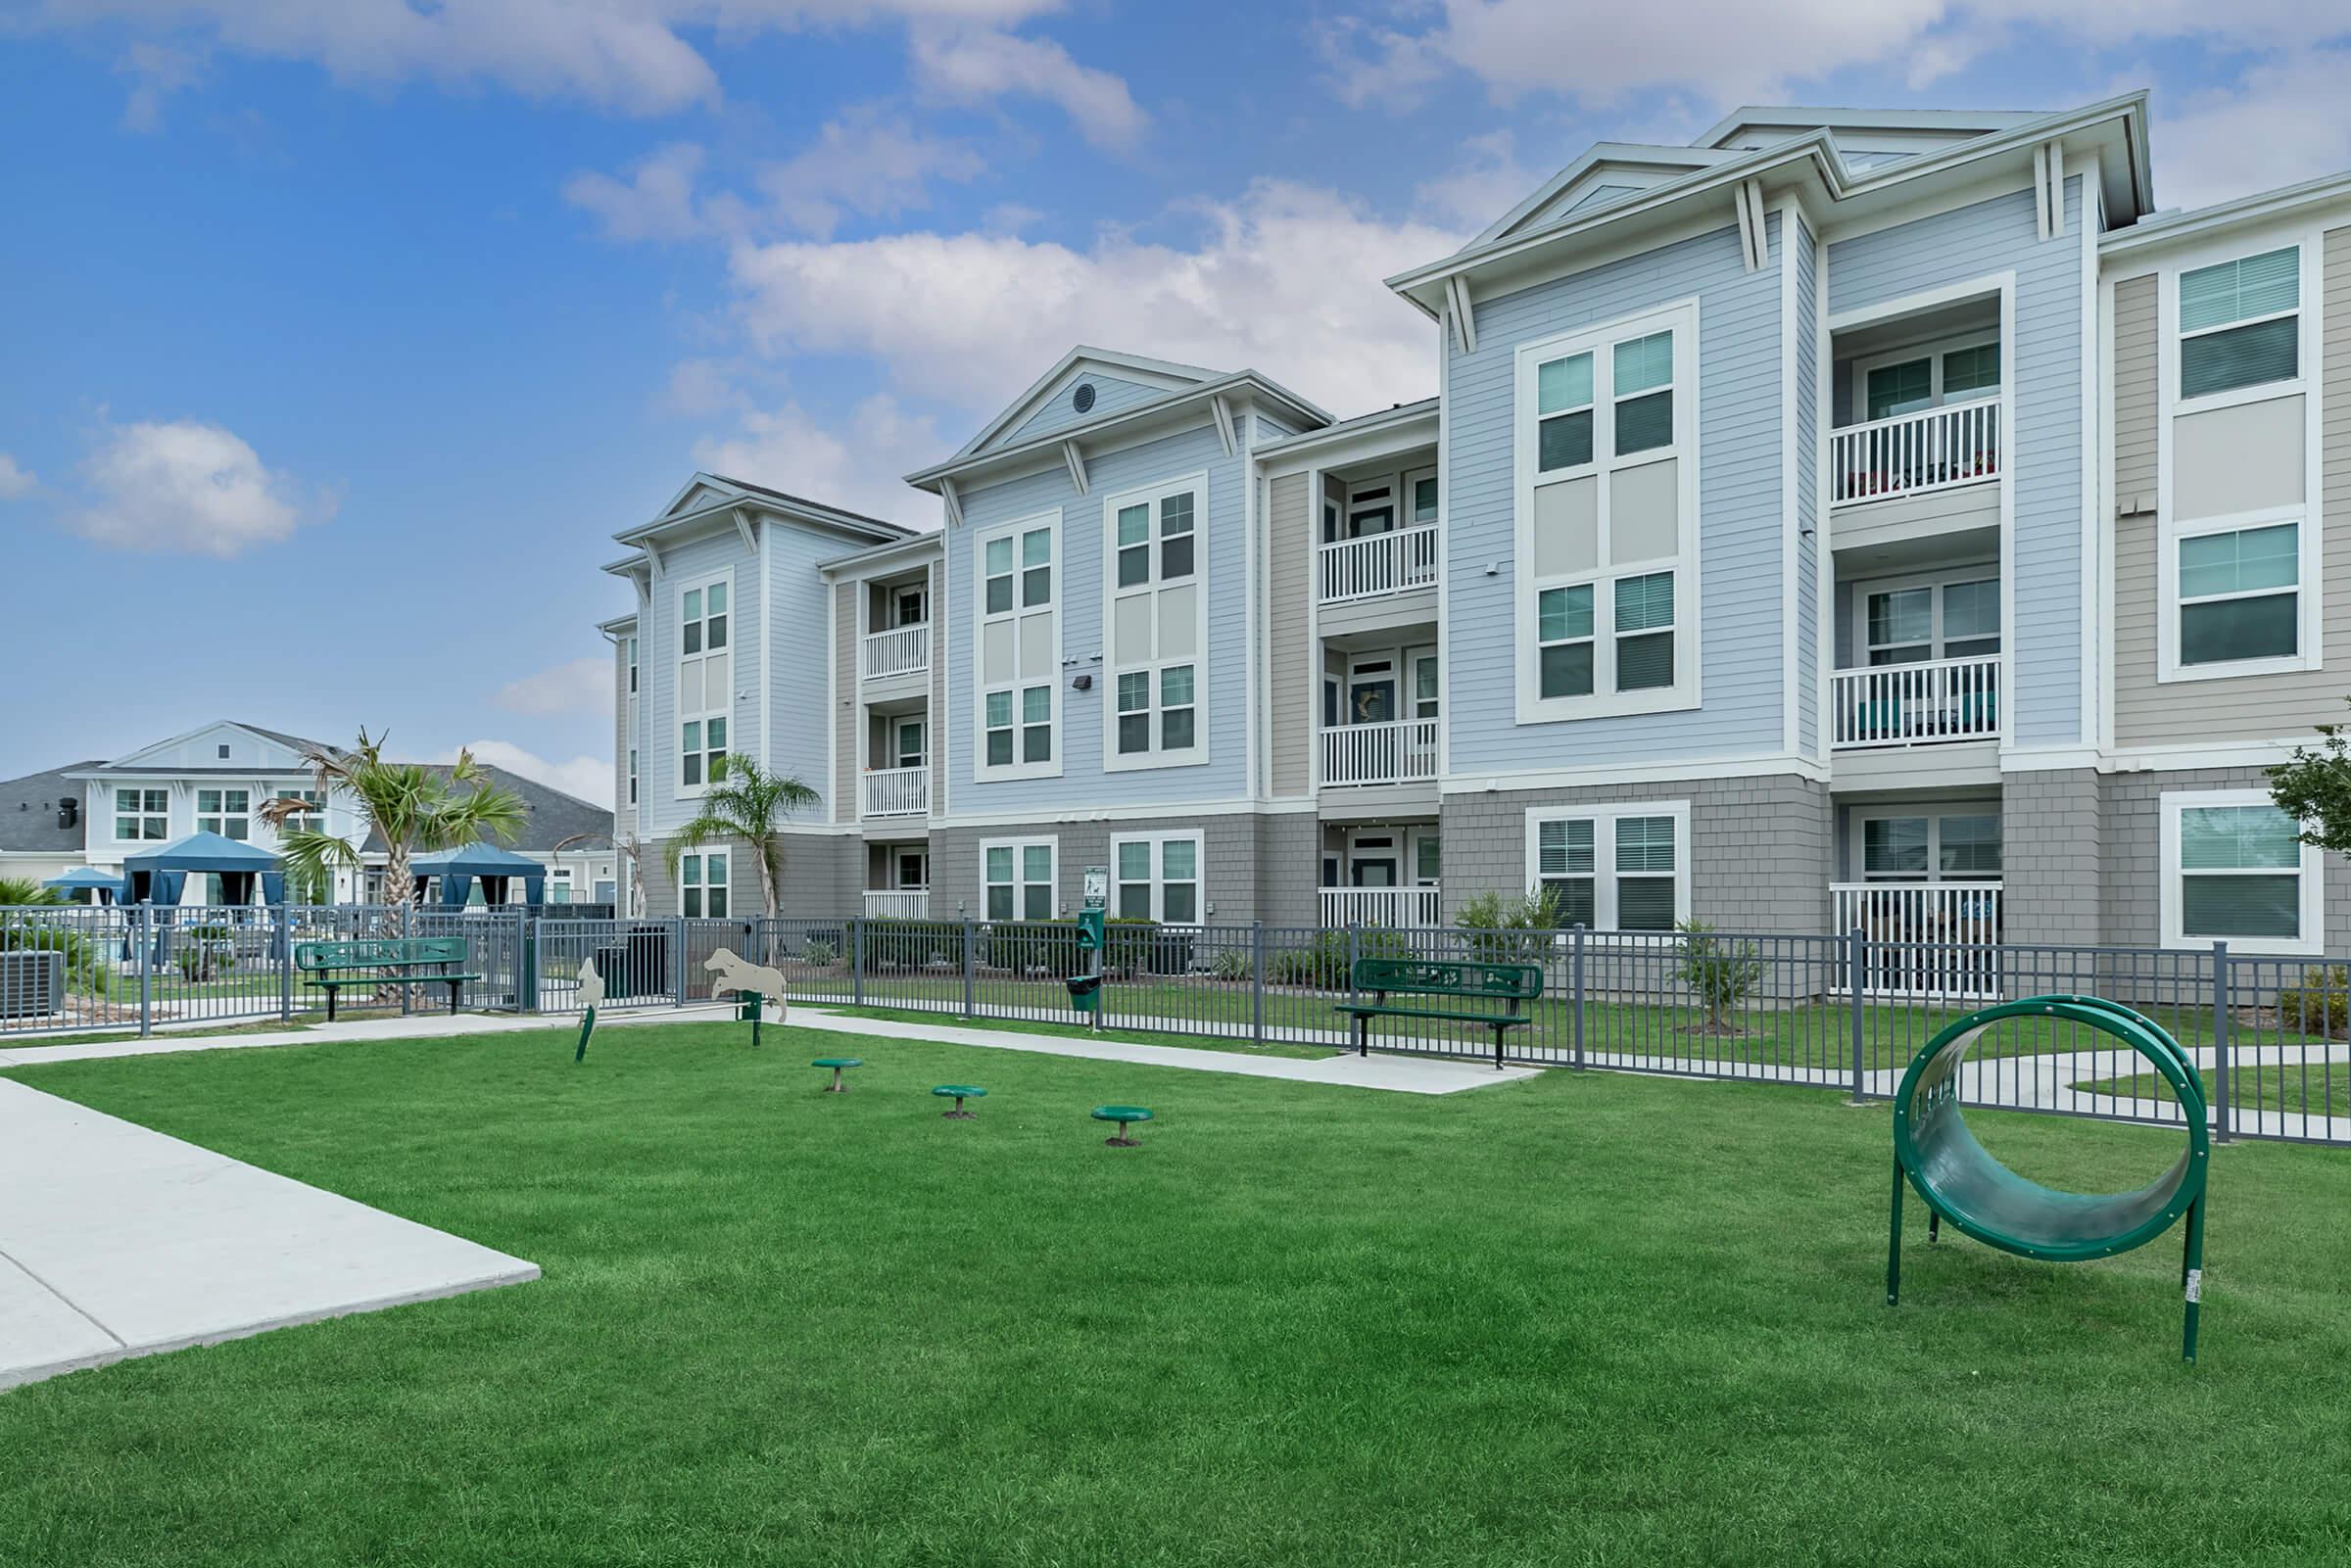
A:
[2240,323]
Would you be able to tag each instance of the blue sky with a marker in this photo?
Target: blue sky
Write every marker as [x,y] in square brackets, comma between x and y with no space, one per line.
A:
[340,335]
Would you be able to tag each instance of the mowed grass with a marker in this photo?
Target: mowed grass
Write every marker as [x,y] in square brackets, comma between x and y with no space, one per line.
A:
[1587,1320]
[2317,1087]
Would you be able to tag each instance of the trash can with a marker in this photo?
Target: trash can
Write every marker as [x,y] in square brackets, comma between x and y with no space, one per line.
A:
[1085,993]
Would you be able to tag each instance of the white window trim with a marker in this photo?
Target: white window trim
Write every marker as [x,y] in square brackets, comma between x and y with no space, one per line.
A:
[2309,244]
[1932,350]
[1017,846]
[1940,578]
[1682,320]
[981,771]
[1405,484]
[1603,817]
[2309,651]
[723,856]
[223,817]
[1196,755]
[115,815]
[679,718]
[1934,812]
[1158,844]
[2312,943]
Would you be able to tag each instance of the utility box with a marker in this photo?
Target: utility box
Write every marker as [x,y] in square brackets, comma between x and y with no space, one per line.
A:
[32,984]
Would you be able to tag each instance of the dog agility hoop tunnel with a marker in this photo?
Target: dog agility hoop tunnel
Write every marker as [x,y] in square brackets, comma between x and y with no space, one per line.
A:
[1939,1158]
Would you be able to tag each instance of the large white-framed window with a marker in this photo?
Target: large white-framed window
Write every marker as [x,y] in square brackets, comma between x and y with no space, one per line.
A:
[1943,615]
[705,684]
[1622,867]
[312,820]
[2240,327]
[2235,869]
[1929,375]
[1155,876]
[1607,519]
[1019,877]
[2236,595]
[1962,845]
[227,812]
[1016,605]
[1155,605]
[142,815]
[703,878]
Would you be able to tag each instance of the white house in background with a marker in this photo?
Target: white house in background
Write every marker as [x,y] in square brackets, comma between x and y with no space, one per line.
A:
[215,778]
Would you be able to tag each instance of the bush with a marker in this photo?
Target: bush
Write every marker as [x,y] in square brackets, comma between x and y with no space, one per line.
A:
[1131,946]
[1508,928]
[905,944]
[2321,1005]
[1234,964]
[1723,973]
[1323,966]
[821,953]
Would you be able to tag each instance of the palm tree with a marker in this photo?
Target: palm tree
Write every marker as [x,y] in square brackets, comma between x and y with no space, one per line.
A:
[745,801]
[17,891]
[411,807]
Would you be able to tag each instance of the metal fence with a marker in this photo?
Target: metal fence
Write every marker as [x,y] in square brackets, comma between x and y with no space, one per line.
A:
[77,967]
[1845,1013]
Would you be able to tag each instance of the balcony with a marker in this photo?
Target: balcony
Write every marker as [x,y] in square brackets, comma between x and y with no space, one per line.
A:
[900,650]
[1398,908]
[895,792]
[1349,569]
[1931,704]
[1915,453]
[1398,751]
[897,903]
[1936,940]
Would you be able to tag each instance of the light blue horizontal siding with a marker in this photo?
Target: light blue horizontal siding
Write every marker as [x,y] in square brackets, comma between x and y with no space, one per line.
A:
[799,651]
[1808,490]
[657,669]
[1111,394]
[1224,665]
[2046,385]
[1738,511]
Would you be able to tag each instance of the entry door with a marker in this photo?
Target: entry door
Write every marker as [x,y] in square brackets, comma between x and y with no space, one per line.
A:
[1372,692]
[1371,512]
[1372,862]
[913,868]
[910,744]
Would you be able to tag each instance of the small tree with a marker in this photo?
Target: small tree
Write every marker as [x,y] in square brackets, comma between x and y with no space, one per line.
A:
[1508,928]
[414,809]
[747,802]
[1722,973]
[2315,790]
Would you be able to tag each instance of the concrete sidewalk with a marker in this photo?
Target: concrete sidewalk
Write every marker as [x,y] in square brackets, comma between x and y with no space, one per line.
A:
[116,1240]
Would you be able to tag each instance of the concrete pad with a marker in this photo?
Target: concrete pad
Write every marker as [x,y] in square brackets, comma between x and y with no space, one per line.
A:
[157,1244]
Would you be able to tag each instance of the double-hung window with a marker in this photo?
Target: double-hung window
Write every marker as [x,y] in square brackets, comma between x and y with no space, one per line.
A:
[706,681]
[1019,877]
[227,812]
[142,815]
[312,820]
[1155,876]
[2240,323]
[1612,867]
[2238,593]
[1607,519]
[2235,869]
[702,884]
[1157,610]
[1020,649]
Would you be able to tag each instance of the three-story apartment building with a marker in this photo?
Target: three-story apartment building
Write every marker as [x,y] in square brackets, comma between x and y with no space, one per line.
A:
[1879,519]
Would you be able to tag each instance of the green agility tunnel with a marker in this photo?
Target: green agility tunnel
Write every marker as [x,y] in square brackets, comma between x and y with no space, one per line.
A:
[1937,1153]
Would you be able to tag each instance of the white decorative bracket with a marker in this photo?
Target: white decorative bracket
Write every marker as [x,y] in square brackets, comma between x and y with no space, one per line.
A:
[955,503]
[1755,237]
[1464,314]
[1224,413]
[1076,461]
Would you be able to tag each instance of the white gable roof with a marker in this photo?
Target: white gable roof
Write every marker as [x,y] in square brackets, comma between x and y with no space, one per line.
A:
[1081,362]
[1608,171]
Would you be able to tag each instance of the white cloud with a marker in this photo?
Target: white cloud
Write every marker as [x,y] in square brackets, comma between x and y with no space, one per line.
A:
[624,54]
[158,72]
[975,65]
[655,202]
[15,479]
[1285,279]
[582,685]
[866,165]
[188,488]
[588,777]
[855,466]
[2283,122]
[1486,183]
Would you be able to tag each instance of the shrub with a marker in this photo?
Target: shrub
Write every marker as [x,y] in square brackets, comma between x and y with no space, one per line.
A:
[909,943]
[1133,946]
[2321,1005]
[1323,966]
[1508,928]
[821,953]
[1722,973]
[1234,964]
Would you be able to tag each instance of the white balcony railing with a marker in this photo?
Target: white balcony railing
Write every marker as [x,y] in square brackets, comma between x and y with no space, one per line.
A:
[1398,752]
[1399,908]
[897,903]
[896,792]
[1910,454]
[1378,563]
[1925,938]
[1916,704]
[900,650]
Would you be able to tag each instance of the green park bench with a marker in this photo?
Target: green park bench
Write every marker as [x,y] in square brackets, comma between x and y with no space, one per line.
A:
[383,960]
[1458,981]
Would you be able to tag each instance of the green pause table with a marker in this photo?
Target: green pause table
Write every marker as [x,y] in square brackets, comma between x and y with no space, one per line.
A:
[961,1092]
[1125,1115]
[838,1063]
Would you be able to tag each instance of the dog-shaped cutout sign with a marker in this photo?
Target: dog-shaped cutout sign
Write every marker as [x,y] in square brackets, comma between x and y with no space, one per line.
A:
[734,976]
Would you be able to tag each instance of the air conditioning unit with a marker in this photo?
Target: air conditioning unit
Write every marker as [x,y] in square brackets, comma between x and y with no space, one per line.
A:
[32,984]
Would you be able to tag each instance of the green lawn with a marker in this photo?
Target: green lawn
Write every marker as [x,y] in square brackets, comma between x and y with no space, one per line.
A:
[1583,1319]
[2321,1089]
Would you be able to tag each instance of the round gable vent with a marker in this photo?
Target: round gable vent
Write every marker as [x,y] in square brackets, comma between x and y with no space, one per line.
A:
[1084,398]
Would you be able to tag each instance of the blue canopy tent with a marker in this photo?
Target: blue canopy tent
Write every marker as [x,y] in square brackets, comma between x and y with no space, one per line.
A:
[88,878]
[158,876]
[497,868]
